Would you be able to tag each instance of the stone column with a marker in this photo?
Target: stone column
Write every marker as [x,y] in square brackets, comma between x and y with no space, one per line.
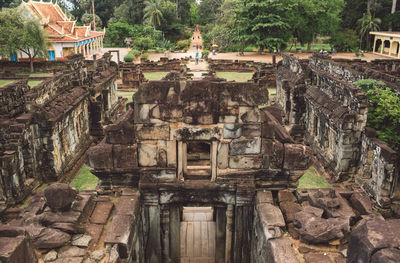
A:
[228,233]
[220,229]
[180,161]
[165,234]
[175,232]
[214,161]
[184,157]
[390,47]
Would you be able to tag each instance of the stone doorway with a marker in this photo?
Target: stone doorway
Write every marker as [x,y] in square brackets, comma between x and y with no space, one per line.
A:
[198,235]
[198,163]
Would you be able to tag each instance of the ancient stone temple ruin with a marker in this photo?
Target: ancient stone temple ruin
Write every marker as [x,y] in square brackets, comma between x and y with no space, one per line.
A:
[207,170]
[46,129]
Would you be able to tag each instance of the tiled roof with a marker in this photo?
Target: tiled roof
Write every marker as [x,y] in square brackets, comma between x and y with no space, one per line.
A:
[57,25]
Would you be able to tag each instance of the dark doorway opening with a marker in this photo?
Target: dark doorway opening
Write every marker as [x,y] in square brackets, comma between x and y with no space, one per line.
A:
[198,164]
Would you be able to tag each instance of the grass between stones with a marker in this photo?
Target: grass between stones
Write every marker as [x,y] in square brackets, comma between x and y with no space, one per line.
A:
[34,83]
[311,179]
[151,76]
[4,82]
[235,76]
[85,180]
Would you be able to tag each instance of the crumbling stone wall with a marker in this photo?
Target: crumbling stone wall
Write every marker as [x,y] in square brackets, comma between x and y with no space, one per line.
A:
[38,66]
[44,130]
[378,169]
[234,65]
[333,114]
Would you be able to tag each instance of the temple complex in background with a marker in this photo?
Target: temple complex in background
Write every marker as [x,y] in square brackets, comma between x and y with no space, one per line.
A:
[64,36]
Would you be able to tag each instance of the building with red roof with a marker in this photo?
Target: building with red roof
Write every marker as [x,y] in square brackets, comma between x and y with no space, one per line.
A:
[64,36]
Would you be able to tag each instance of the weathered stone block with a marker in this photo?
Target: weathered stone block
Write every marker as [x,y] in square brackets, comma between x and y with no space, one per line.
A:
[281,250]
[247,115]
[125,156]
[223,155]
[101,156]
[270,215]
[244,146]
[361,202]
[171,154]
[15,246]
[148,154]
[245,162]
[275,151]
[59,197]
[297,157]
[152,132]
[121,133]
[251,130]
[232,131]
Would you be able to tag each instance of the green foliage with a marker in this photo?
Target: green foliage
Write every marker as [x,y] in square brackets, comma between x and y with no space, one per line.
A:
[85,180]
[129,57]
[145,56]
[117,32]
[367,24]
[263,23]
[194,14]
[144,43]
[209,10]
[383,111]
[87,19]
[311,179]
[205,53]
[344,40]
[152,12]
[21,33]
[135,52]
[183,44]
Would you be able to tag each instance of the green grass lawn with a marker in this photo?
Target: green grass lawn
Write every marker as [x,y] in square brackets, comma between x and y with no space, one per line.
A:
[126,94]
[311,179]
[151,76]
[272,93]
[37,74]
[4,82]
[314,47]
[235,76]
[34,83]
[85,180]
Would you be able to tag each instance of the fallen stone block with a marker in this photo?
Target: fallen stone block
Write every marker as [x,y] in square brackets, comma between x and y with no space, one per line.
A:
[59,197]
[361,202]
[280,250]
[16,246]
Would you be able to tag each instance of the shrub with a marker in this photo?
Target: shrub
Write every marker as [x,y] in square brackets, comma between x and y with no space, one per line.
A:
[117,32]
[183,44]
[145,56]
[345,40]
[383,111]
[135,52]
[129,58]
[144,43]
[205,53]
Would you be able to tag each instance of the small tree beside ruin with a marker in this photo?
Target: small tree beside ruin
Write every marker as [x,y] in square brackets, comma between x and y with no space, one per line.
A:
[20,33]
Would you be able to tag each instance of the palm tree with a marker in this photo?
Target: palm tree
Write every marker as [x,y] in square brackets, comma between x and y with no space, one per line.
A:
[152,12]
[367,24]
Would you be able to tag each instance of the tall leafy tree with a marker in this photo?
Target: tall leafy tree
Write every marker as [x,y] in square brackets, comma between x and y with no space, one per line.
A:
[367,24]
[209,11]
[23,34]
[152,12]
[311,17]
[263,23]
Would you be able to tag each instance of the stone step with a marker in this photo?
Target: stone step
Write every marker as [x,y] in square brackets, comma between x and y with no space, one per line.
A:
[101,212]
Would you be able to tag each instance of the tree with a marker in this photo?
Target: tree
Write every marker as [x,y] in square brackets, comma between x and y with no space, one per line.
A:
[394,4]
[152,12]
[311,17]
[367,24]
[263,23]
[87,19]
[117,32]
[209,11]
[194,14]
[18,33]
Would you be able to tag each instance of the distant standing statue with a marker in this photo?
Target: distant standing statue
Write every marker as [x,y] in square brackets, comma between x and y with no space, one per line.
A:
[128,42]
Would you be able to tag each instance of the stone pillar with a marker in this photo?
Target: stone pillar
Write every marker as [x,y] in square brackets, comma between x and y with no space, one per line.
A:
[153,248]
[214,161]
[184,157]
[175,233]
[390,47]
[180,161]
[228,233]
[165,234]
[220,229]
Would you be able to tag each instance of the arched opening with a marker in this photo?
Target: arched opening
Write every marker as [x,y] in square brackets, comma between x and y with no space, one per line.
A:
[378,45]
